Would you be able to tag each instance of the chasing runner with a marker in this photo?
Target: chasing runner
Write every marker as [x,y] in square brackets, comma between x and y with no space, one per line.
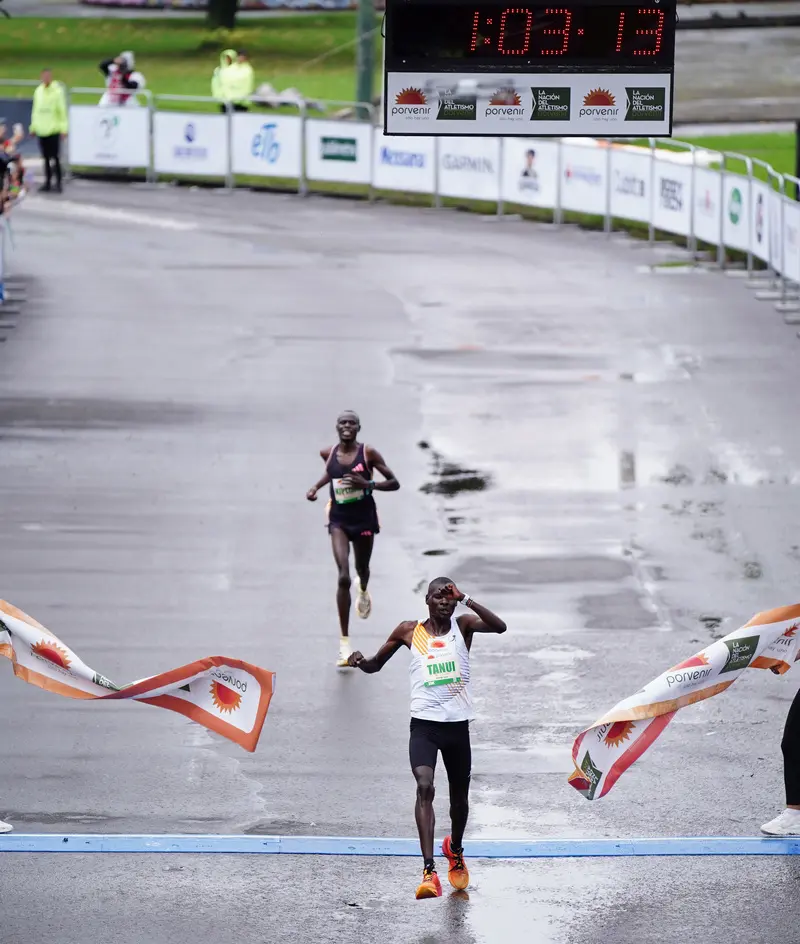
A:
[352,515]
[441,709]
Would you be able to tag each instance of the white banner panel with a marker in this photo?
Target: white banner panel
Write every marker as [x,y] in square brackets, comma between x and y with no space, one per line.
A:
[584,178]
[673,187]
[469,167]
[736,212]
[108,136]
[707,205]
[190,144]
[759,221]
[525,105]
[404,163]
[631,186]
[267,146]
[791,240]
[530,172]
[339,151]
[775,234]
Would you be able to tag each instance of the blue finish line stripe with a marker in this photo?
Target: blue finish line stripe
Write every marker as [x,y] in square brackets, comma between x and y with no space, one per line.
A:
[341,845]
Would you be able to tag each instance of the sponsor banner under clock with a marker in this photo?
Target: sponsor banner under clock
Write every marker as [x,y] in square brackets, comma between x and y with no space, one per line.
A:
[525,104]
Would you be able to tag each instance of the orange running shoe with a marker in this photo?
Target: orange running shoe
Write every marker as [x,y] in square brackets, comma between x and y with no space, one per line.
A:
[430,887]
[458,874]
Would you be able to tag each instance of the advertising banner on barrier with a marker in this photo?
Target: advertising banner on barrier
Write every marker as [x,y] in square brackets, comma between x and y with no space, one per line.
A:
[672,207]
[791,240]
[109,137]
[707,203]
[584,178]
[529,174]
[404,163]
[774,216]
[339,151]
[631,185]
[469,167]
[190,144]
[266,146]
[759,220]
[736,212]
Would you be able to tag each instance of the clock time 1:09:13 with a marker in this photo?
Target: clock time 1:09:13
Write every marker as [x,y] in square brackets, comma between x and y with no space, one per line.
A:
[608,34]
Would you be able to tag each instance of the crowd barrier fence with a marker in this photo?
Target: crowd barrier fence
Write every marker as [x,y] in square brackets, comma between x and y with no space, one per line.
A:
[666,186]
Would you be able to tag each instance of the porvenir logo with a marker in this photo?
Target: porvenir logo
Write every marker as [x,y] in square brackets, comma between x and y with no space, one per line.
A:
[505,103]
[599,104]
[225,699]
[411,102]
[618,733]
[51,652]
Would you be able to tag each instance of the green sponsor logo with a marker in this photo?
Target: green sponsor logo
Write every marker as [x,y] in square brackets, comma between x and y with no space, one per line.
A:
[592,774]
[740,653]
[551,104]
[338,149]
[104,682]
[454,107]
[646,104]
[735,205]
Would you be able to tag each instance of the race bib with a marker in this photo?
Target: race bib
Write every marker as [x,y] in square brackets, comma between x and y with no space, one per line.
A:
[344,494]
[441,664]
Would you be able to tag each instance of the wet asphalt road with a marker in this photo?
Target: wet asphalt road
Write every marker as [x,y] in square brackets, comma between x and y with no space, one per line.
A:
[606,455]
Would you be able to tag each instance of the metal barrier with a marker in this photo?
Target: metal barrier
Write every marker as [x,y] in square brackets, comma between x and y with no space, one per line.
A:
[749,215]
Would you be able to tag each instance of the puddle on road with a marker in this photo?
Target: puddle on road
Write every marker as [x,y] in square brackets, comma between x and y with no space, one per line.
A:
[450,479]
[49,413]
[501,573]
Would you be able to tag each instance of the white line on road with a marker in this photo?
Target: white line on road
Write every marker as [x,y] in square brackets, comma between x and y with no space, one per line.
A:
[93,211]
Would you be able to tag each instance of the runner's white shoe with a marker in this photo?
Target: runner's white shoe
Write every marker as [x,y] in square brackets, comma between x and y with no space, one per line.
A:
[344,651]
[5,827]
[786,824]
[363,603]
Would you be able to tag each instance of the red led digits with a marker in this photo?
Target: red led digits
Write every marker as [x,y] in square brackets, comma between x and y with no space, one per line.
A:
[473,45]
[527,41]
[620,28]
[657,32]
[563,32]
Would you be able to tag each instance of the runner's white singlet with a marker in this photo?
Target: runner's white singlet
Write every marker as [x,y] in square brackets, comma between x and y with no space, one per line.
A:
[439,675]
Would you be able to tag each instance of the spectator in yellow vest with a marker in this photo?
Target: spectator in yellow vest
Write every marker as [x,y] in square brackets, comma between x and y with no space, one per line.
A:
[233,83]
[49,125]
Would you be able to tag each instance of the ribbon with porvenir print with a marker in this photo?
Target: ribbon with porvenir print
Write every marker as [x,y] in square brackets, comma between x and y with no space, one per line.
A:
[603,752]
[227,696]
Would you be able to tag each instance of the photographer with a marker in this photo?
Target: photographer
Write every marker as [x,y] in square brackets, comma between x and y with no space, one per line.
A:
[121,80]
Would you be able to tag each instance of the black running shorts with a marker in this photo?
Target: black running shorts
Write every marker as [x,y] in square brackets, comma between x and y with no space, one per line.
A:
[449,737]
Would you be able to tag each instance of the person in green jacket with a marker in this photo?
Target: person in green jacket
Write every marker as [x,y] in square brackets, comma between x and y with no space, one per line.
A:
[226,60]
[233,80]
[49,124]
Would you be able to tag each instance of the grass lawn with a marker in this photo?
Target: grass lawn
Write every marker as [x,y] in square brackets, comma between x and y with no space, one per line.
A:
[177,56]
[777,149]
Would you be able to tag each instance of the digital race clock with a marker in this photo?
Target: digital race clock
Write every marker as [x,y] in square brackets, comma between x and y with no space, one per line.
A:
[589,68]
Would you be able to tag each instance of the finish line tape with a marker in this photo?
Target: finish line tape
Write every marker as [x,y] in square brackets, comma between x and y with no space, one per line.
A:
[342,845]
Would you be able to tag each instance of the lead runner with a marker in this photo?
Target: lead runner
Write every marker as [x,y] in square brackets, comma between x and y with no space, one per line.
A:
[441,710]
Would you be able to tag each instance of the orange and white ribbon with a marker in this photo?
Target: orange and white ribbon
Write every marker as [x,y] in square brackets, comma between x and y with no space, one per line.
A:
[603,752]
[227,696]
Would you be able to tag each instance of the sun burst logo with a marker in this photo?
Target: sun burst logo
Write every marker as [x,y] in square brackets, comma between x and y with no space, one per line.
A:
[52,652]
[411,96]
[789,634]
[600,98]
[699,659]
[437,644]
[506,97]
[618,733]
[225,699]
